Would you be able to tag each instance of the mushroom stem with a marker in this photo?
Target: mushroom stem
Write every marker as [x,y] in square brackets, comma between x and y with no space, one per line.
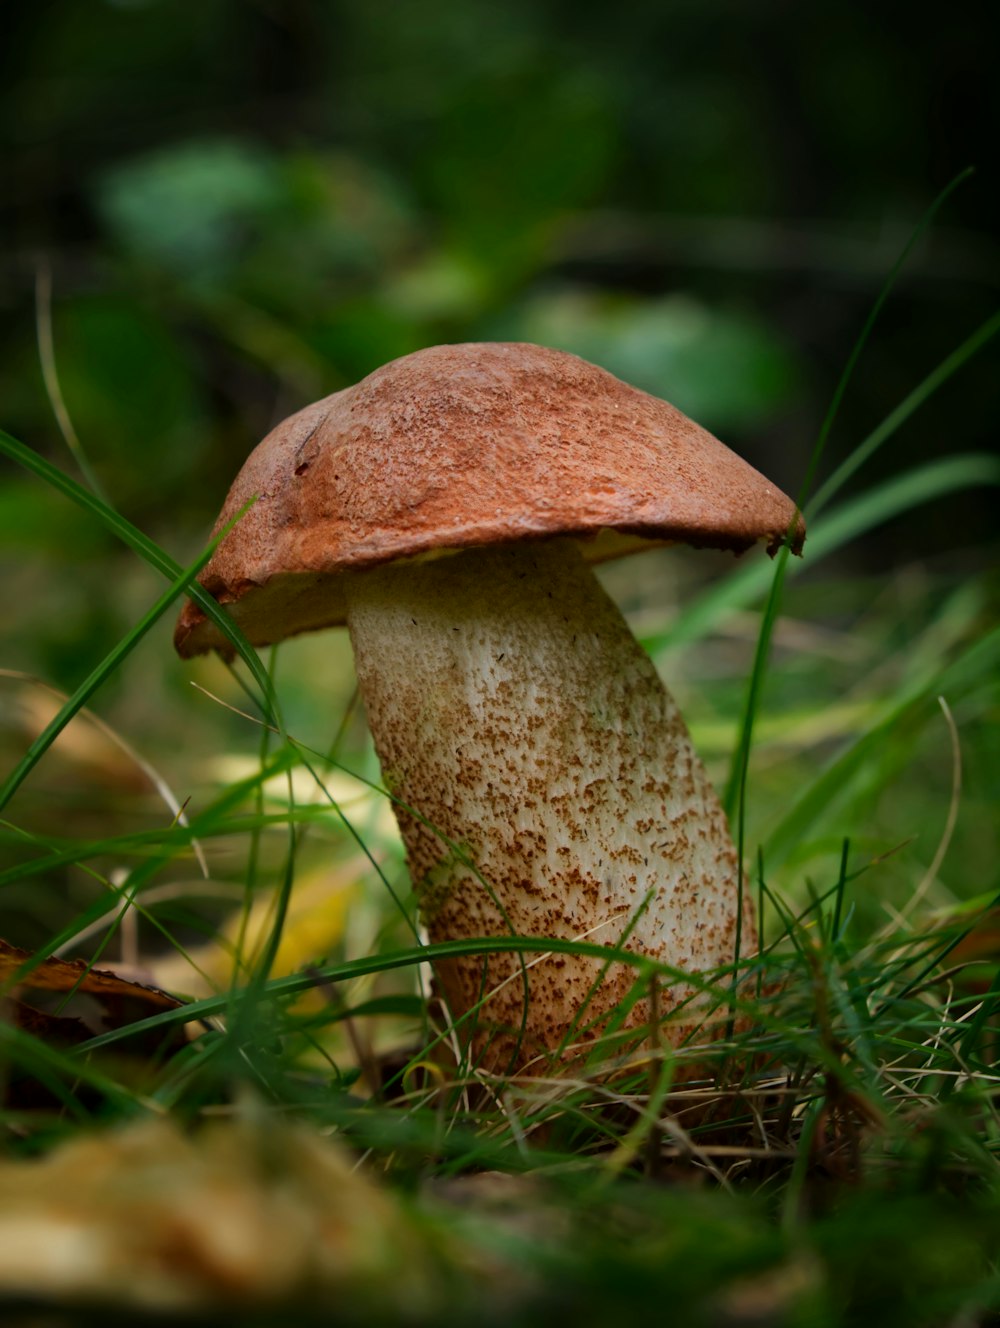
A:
[523,729]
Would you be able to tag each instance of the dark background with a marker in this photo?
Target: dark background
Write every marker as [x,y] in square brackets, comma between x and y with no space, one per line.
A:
[245,205]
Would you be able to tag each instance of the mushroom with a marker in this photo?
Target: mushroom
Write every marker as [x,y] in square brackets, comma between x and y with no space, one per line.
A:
[446,508]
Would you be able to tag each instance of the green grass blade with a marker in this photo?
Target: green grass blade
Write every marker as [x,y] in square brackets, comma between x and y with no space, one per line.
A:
[828,534]
[95,678]
[57,1072]
[283,988]
[107,666]
[980,661]
[838,394]
[164,842]
[734,799]
[902,493]
[896,418]
[149,550]
[50,375]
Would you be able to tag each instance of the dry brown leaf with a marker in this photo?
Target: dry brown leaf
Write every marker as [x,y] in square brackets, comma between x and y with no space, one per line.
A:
[64,1002]
[68,975]
[239,1212]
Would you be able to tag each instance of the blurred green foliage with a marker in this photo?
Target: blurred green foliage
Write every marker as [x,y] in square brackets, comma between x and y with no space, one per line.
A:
[248,205]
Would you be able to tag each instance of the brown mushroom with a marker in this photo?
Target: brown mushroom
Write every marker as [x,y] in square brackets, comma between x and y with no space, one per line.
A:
[544,780]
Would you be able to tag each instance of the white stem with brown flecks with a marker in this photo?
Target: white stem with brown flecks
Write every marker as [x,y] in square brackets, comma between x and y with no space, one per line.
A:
[515,713]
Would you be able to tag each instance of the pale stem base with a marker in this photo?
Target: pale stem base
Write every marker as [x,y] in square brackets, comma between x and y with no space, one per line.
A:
[525,731]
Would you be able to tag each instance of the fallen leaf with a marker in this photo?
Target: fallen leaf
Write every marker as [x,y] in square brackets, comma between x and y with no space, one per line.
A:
[239,1212]
[63,1003]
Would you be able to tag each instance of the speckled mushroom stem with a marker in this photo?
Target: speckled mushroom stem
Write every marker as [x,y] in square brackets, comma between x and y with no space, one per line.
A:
[512,708]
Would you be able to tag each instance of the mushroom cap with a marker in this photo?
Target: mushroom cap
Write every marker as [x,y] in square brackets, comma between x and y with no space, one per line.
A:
[465,445]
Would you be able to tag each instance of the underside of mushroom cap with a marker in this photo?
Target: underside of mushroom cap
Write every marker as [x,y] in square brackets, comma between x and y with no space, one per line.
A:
[462,446]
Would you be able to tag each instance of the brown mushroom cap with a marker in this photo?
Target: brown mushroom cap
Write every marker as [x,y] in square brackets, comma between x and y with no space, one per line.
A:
[461,446]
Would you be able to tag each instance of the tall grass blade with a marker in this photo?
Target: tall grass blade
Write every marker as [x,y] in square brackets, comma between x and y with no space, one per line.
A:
[50,376]
[151,552]
[93,681]
[856,350]
[103,671]
[978,663]
[907,407]
[829,533]
[734,799]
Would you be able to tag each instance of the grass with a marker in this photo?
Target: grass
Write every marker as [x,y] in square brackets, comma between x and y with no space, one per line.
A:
[826,1154]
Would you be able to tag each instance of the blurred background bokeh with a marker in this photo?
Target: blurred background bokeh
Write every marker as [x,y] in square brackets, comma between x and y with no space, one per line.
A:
[239,207]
